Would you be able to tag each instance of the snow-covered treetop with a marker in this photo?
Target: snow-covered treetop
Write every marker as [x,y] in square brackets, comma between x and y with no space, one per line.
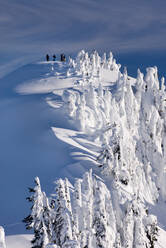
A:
[91,65]
[2,238]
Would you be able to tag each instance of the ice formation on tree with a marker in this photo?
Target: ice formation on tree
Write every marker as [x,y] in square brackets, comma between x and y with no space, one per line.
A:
[2,238]
[90,107]
[128,121]
[89,214]
[133,115]
[40,218]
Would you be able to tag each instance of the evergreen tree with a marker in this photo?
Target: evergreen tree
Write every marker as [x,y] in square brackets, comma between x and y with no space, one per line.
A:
[63,216]
[39,219]
[2,238]
[117,243]
[103,218]
[77,208]
[151,230]
[87,209]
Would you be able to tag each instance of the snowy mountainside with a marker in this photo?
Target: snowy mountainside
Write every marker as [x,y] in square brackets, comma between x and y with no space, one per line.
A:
[104,120]
[118,130]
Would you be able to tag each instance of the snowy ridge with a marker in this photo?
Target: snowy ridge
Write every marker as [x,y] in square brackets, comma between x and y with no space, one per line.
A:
[127,121]
[119,141]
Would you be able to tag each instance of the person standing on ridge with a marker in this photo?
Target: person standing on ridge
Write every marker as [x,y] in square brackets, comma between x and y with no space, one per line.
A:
[47,57]
[54,57]
[63,58]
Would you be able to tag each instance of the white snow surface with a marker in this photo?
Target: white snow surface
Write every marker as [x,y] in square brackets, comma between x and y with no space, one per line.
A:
[55,119]
[18,241]
[23,241]
[2,238]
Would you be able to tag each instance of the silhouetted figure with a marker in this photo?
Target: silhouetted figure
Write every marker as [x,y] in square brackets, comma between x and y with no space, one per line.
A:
[54,57]
[63,58]
[47,57]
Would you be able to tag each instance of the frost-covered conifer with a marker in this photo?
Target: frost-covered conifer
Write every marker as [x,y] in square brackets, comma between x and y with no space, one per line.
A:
[106,156]
[151,230]
[77,208]
[69,99]
[163,85]
[100,218]
[104,61]
[87,207]
[128,226]
[63,231]
[80,116]
[2,238]
[100,91]
[103,217]
[127,120]
[110,61]
[117,243]
[40,217]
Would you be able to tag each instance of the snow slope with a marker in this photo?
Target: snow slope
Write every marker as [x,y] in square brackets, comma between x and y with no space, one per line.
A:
[38,138]
[29,148]
[18,241]
[29,107]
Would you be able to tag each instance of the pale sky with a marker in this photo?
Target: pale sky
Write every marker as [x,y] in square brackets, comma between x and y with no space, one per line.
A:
[30,29]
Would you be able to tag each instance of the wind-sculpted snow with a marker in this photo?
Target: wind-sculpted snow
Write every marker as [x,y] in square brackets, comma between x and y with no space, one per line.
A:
[116,128]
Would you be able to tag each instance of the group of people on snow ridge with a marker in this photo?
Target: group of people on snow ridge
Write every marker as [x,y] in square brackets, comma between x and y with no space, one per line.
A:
[62,57]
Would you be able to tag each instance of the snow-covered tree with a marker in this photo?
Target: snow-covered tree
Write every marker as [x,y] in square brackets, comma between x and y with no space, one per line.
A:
[151,229]
[117,243]
[103,217]
[63,222]
[127,123]
[2,238]
[77,208]
[40,217]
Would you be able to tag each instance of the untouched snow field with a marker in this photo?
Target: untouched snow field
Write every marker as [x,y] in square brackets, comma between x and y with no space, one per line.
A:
[38,138]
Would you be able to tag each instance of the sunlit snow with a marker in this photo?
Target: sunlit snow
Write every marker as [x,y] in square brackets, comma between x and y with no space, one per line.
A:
[63,119]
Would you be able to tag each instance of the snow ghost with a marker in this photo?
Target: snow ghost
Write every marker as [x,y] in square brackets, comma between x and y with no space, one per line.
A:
[2,238]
